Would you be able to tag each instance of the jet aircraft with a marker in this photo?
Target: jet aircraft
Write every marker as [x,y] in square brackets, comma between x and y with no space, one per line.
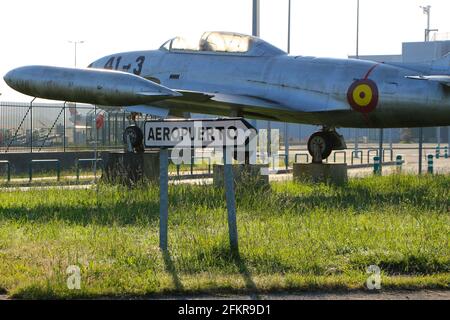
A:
[236,75]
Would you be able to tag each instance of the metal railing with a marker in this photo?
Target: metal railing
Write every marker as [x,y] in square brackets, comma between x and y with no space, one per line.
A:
[301,155]
[45,161]
[8,169]
[354,155]
[340,152]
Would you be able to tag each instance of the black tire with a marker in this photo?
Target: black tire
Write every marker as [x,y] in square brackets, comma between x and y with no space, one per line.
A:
[325,140]
[136,136]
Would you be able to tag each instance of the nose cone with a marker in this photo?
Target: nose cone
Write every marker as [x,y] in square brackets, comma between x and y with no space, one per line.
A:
[10,77]
[16,77]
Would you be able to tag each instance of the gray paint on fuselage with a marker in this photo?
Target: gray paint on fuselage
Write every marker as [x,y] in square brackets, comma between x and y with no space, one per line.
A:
[301,84]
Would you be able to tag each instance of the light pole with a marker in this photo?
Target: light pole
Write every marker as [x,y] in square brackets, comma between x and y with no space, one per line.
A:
[286,125]
[357,29]
[75,44]
[427,12]
[357,57]
[256,18]
[255,32]
[289,28]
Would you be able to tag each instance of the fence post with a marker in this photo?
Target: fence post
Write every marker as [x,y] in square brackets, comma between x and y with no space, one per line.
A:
[446,152]
[376,165]
[399,163]
[31,127]
[64,127]
[58,171]
[430,164]
[438,152]
[30,170]
[192,160]
[77,167]
[9,171]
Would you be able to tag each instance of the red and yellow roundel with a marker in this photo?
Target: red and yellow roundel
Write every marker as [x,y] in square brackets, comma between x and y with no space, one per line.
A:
[363,95]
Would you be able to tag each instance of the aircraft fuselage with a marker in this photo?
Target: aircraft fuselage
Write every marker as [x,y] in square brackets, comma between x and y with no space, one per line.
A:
[302,85]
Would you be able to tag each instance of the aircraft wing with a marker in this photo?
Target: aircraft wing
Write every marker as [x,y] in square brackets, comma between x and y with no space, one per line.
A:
[210,103]
[444,80]
[231,99]
[237,105]
[119,89]
[228,104]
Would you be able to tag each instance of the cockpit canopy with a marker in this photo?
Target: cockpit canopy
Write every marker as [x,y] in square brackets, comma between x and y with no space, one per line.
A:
[222,43]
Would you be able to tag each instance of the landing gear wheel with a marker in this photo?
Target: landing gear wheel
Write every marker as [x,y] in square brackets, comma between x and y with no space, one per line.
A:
[322,143]
[135,136]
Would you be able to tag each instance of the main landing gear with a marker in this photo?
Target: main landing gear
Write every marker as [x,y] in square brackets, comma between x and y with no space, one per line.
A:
[322,143]
[133,137]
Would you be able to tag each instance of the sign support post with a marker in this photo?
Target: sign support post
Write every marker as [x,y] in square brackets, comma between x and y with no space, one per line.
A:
[381,150]
[165,134]
[163,197]
[420,149]
[231,202]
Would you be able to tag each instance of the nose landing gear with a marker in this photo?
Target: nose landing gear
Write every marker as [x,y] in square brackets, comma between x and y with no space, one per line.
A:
[133,139]
[132,136]
[322,143]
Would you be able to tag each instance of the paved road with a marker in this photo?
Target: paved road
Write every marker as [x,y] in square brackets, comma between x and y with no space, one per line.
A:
[362,295]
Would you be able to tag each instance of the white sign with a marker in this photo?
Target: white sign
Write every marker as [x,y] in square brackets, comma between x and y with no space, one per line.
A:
[197,133]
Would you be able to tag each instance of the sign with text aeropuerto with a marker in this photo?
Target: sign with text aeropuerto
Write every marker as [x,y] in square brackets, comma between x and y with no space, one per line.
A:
[197,133]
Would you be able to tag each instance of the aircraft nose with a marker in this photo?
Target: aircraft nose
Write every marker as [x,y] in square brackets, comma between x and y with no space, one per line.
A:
[10,76]
[16,77]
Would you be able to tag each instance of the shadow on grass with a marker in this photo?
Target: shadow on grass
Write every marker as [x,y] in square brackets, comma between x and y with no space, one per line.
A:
[121,214]
[170,268]
[246,275]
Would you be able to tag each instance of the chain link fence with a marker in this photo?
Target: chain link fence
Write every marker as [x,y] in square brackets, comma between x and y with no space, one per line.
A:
[37,127]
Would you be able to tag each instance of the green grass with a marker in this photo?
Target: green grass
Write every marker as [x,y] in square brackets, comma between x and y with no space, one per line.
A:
[292,237]
[68,177]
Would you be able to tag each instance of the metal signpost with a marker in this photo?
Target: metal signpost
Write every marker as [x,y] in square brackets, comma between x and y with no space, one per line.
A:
[231,134]
[381,149]
[163,197]
[231,201]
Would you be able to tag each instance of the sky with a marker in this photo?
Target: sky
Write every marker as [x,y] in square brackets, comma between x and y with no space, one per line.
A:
[38,31]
